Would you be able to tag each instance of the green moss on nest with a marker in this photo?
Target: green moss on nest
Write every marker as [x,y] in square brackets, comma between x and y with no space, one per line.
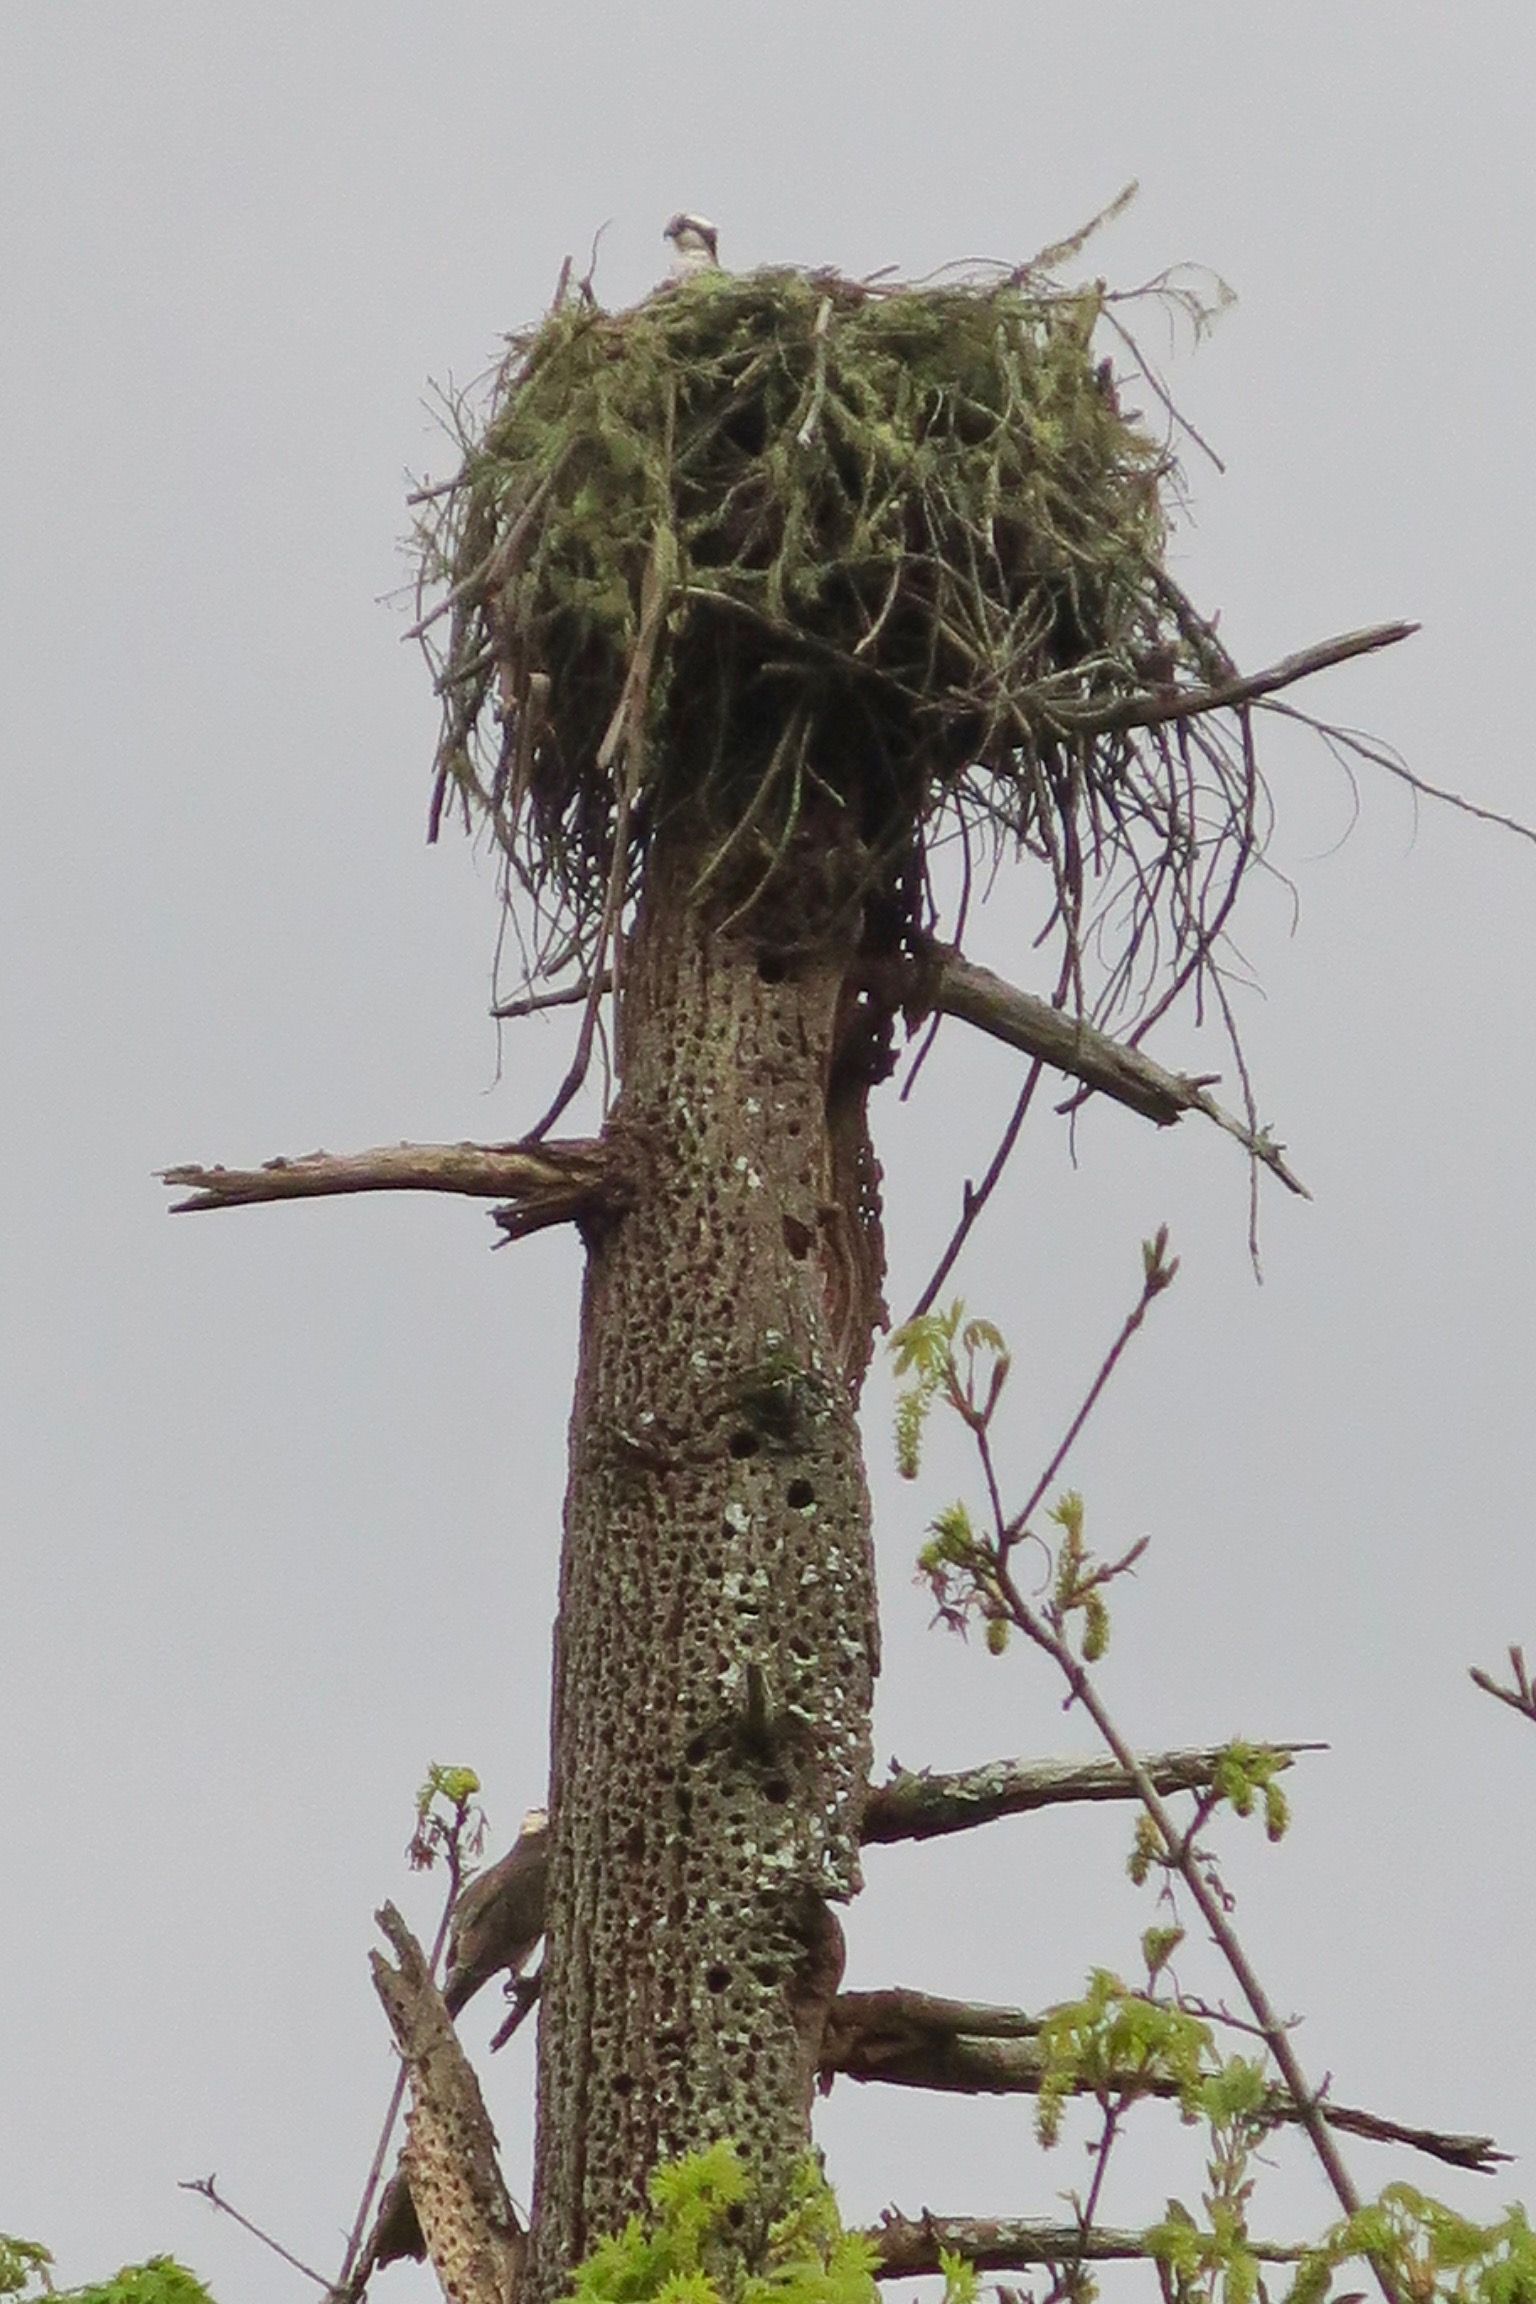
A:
[768,540]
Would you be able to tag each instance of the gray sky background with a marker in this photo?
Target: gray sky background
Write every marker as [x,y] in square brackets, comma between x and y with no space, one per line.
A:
[281,1488]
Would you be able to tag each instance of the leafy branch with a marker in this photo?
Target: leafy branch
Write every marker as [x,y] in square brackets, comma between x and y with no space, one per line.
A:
[972,1572]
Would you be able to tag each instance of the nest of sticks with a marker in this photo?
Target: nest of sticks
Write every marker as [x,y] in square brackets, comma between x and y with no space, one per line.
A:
[770,545]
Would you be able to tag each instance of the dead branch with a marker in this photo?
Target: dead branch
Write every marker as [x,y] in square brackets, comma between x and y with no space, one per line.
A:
[533,1003]
[450,2161]
[914,2040]
[947,984]
[553,1184]
[1152,711]
[1520,1695]
[1022,1020]
[909,2245]
[924,1806]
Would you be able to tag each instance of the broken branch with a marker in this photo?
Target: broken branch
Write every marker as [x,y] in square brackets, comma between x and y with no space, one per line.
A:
[1070,1044]
[909,2245]
[473,2236]
[554,1184]
[914,2040]
[923,1806]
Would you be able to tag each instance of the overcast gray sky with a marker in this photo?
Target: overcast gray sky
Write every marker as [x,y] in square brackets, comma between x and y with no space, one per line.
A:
[281,1488]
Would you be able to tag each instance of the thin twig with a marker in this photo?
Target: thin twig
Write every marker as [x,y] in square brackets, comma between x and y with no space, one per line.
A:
[975,1199]
[1382,756]
[208,2187]
[533,1003]
[1158,1276]
[1154,711]
[1521,1696]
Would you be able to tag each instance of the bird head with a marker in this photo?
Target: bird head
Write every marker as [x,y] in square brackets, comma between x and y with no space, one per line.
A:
[695,243]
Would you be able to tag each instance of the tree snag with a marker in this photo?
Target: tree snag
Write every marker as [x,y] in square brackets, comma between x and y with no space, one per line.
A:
[716,1639]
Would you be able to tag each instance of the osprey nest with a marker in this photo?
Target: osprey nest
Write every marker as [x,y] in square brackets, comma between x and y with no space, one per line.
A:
[770,547]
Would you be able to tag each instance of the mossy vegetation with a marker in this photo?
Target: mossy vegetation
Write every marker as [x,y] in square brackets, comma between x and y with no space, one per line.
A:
[784,549]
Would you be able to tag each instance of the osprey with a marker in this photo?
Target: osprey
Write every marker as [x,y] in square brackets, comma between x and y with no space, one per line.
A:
[695,245]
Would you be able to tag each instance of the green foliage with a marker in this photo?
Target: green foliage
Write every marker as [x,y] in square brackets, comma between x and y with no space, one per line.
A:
[1077,1586]
[962,2281]
[960,1569]
[689,2250]
[161,2281]
[1246,1772]
[943,1352]
[457,1786]
[1116,2044]
[1428,2252]
[1158,1945]
[1201,2263]
[448,1823]
[24,2267]
[25,2274]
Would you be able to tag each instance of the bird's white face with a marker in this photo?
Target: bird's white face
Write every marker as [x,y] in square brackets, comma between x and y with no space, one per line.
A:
[694,243]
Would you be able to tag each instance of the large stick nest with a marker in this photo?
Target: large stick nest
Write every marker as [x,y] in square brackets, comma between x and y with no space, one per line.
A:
[777,547]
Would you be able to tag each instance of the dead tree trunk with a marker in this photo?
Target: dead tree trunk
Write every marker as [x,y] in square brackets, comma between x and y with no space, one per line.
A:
[716,1643]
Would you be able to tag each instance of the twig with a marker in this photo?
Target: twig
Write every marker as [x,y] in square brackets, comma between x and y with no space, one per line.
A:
[1521,1696]
[1155,711]
[908,2246]
[1382,756]
[435,488]
[1157,1276]
[533,1003]
[1045,1626]
[975,1198]
[208,2187]
[625,735]
[495,564]
[1309,2109]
